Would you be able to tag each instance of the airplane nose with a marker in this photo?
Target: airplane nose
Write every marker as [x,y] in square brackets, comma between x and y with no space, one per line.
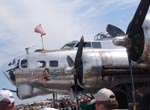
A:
[9,71]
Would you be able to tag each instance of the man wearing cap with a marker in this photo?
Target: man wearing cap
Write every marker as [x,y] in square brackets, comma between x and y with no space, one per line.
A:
[105,100]
[6,100]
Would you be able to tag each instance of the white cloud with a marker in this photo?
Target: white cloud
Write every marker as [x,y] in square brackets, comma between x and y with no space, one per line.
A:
[62,21]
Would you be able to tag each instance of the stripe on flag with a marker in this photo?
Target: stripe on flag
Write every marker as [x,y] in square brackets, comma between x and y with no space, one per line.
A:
[39,29]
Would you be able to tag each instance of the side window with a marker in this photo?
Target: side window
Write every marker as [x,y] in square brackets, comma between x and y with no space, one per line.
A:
[24,63]
[96,44]
[41,64]
[53,63]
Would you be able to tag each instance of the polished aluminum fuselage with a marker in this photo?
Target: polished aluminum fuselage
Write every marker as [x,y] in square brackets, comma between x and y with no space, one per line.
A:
[99,68]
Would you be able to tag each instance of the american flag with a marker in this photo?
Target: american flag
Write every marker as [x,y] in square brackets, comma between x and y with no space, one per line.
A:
[39,29]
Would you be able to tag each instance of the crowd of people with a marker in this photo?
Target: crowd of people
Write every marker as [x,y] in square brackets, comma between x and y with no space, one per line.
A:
[61,104]
[104,100]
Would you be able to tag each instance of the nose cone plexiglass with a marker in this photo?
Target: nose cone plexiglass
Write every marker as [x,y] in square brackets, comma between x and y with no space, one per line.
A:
[8,69]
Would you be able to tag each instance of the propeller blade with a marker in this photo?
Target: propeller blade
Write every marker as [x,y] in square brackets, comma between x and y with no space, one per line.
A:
[78,62]
[138,19]
[78,67]
[78,58]
[134,32]
[114,31]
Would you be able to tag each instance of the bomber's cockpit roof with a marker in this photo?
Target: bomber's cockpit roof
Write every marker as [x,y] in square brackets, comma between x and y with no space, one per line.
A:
[70,45]
[88,44]
[101,40]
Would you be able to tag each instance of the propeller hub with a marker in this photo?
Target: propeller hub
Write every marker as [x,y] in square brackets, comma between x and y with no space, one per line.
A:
[122,41]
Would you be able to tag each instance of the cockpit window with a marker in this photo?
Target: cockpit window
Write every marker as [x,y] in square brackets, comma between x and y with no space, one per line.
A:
[41,64]
[24,63]
[86,44]
[69,45]
[96,45]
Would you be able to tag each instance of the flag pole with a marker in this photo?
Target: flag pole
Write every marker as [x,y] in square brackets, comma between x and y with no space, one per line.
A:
[39,29]
[42,43]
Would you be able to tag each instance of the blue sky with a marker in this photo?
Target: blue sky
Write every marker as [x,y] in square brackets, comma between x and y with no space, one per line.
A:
[62,20]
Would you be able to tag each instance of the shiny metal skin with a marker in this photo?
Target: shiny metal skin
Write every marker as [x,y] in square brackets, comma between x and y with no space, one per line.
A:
[44,72]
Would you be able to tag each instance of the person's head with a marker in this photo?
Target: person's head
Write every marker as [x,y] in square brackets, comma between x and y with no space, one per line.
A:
[105,99]
[6,100]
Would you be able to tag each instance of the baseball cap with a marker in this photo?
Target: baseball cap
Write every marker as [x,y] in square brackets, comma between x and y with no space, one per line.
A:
[6,97]
[104,95]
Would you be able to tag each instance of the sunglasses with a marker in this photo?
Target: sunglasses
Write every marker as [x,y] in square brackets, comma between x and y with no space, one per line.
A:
[4,103]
